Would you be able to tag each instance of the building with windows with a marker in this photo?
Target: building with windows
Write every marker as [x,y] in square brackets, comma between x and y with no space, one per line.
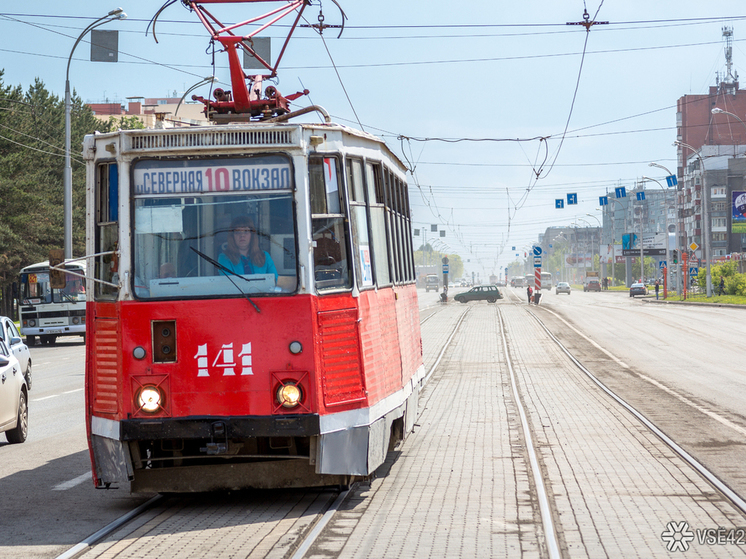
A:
[713,125]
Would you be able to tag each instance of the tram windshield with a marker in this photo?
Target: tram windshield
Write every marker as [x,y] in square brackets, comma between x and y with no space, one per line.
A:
[207,228]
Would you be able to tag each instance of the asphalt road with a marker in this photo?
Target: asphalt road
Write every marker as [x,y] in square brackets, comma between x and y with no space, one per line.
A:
[48,501]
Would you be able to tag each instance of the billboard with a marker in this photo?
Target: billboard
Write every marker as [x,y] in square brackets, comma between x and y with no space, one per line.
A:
[738,212]
[653,244]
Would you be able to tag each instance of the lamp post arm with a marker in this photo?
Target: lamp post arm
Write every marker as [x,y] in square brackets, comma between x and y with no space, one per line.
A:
[67,175]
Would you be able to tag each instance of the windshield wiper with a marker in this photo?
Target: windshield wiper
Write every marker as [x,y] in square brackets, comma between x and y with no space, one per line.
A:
[231,272]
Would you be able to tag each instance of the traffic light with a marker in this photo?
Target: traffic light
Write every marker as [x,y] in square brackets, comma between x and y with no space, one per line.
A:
[675,256]
[57,278]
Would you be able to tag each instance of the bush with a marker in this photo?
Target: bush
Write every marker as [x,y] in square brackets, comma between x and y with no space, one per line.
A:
[736,284]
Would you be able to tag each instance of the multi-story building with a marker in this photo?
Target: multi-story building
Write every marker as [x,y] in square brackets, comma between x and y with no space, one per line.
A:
[711,131]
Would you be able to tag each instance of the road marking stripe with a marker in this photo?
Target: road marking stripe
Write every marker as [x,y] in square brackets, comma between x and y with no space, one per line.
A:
[57,395]
[73,482]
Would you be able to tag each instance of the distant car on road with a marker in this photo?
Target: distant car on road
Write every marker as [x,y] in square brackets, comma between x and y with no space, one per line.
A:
[489,293]
[9,334]
[592,285]
[432,282]
[638,289]
[13,397]
[562,287]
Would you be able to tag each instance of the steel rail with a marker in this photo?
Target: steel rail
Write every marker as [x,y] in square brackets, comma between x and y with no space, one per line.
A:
[108,529]
[716,482]
[550,533]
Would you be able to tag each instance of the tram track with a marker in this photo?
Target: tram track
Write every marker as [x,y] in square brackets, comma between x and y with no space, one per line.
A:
[297,541]
[159,506]
[538,470]
[737,500]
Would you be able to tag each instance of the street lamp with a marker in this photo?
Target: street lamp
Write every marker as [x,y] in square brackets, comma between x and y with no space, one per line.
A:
[678,225]
[718,111]
[665,201]
[706,214]
[68,173]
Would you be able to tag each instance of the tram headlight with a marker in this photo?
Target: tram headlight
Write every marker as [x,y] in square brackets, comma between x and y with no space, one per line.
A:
[150,399]
[289,394]
[32,323]
[76,320]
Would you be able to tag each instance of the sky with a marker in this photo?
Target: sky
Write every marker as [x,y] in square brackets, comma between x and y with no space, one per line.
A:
[497,108]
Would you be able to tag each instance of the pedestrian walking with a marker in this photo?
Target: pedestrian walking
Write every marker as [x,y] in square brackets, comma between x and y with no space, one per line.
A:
[529,292]
[657,287]
[721,287]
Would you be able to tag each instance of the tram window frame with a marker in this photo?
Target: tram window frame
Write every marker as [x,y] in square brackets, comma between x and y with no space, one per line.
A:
[396,242]
[107,230]
[377,220]
[331,275]
[360,227]
[407,224]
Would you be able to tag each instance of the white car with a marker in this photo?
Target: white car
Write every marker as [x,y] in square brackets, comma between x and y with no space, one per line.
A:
[9,334]
[562,287]
[13,398]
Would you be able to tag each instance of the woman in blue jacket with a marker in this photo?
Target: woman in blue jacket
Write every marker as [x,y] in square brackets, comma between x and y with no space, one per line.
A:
[242,254]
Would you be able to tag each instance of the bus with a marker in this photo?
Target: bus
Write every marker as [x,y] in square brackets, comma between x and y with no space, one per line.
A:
[546,280]
[46,313]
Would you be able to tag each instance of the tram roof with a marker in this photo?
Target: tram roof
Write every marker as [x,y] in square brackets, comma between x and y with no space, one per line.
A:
[261,129]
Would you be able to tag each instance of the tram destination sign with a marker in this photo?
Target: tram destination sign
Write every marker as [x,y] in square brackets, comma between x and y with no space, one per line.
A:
[214,176]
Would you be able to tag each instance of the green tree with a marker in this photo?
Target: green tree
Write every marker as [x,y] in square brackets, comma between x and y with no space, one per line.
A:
[32,134]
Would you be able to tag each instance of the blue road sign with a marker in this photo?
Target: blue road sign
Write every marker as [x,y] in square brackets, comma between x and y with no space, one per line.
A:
[559,203]
[693,272]
[537,250]
[671,180]
[572,199]
[603,200]
[620,192]
[641,195]
[662,264]
[445,268]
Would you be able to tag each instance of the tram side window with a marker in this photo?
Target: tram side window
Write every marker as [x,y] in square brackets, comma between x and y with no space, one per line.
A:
[330,254]
[107,231]
[407,228]
[394,226]
[378,223]
[359,214]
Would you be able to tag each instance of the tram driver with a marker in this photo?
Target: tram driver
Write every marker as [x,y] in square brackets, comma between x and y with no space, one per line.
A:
[242,254]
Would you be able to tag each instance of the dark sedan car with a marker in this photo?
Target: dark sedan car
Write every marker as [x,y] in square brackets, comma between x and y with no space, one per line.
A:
[488,293]
[638,289]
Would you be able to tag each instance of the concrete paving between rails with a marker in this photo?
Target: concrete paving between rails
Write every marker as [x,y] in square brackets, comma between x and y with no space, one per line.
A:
[460,485]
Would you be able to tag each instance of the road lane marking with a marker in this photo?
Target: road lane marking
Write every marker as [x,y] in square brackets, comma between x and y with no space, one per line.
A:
[57,395]
[73,482]
[697,407]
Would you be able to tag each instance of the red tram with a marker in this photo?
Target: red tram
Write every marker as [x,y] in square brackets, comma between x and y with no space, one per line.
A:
[253,319]
[299,371]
